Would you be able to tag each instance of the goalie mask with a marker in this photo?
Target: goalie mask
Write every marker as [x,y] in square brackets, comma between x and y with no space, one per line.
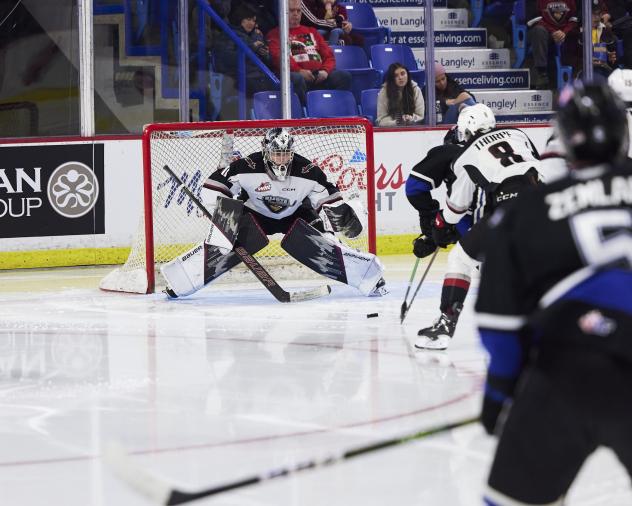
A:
[474,119]
[278,151]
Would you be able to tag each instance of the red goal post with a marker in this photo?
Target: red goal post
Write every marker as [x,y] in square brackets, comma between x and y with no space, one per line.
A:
[170,225]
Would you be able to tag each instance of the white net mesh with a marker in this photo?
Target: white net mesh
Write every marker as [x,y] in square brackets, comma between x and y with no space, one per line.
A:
[339,148]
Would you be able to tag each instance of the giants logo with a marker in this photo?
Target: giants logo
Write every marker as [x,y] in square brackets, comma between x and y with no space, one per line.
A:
[276,204]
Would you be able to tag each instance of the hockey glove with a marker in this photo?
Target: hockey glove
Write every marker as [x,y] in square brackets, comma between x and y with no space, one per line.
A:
[423,246]
[443,233]
[344,219]
[426,218]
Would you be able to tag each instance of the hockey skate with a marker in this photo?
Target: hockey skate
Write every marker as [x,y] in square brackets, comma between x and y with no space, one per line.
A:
[438,335]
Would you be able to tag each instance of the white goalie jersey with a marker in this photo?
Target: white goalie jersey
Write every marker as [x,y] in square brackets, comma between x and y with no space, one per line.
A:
[487,161]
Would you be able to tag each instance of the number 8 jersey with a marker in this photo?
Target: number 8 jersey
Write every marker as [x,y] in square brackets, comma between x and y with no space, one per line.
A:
[492,166]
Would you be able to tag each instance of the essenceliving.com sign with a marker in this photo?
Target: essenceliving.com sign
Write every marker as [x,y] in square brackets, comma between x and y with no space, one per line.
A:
[52,190]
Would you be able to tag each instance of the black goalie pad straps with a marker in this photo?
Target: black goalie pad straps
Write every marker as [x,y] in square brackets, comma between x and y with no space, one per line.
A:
[250,236]
[308,246]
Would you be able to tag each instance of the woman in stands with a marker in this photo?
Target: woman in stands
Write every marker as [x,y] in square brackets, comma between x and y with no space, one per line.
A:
[400,101]
[450,94]
[243,21]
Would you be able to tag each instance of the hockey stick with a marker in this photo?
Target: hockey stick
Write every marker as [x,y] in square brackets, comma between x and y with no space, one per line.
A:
[405,310]
[162,492]
[252,263]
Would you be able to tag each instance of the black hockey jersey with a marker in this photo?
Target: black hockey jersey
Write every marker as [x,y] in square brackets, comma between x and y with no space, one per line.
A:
[559,262]
[248,179]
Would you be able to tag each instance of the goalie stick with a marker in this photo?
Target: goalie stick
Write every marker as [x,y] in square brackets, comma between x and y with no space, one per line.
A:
[162,492]
[406,307]
[252,263]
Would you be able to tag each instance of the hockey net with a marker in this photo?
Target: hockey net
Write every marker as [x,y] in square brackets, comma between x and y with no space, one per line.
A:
[171,224]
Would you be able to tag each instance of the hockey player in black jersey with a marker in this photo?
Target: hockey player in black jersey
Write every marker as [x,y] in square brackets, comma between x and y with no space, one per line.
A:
[272,191]
[554,311]
[494,166]
[430,173]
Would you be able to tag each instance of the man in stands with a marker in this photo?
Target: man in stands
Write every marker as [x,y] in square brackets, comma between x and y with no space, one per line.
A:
[312,62]
[552,21]
[554,311]
[276,191]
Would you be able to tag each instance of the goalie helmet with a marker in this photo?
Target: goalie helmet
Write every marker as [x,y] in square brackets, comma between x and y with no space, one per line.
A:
[477,118]
[592,124]
[278,152]
[621,82]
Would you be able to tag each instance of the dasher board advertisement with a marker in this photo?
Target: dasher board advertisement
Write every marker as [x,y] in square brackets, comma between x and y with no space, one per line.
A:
[51,190]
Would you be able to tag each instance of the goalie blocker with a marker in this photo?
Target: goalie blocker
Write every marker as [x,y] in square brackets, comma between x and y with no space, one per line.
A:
[205,262]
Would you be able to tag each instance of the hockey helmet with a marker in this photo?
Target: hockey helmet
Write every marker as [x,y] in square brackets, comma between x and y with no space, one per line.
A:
[277,148]
[474,119]
[621,82]
[592,123]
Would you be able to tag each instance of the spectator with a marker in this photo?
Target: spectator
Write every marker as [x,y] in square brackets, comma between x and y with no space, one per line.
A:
[604,42]
[622,26]
[400,101]
[449,94]
[331,20]
[554,21]
[312,62]
[243,21]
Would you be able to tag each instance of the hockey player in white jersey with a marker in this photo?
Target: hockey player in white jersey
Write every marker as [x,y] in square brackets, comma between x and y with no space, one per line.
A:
[272,191]
[495,165]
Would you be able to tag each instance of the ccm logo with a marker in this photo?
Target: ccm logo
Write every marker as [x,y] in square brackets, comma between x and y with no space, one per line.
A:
[506,196]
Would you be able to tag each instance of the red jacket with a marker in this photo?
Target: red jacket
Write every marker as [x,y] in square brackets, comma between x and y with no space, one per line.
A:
[308,49]
[556,15]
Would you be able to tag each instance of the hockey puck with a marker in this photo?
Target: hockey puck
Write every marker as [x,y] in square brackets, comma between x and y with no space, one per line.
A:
[371,315]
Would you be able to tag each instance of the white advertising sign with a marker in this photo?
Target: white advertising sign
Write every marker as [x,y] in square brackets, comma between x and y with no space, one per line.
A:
[470,59]
[412,18]
[517,101]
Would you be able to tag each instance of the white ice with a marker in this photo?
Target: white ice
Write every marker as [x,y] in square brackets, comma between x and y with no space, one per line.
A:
[230,383]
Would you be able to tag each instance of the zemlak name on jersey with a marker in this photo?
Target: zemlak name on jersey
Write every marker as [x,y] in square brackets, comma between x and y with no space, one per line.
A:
[487,161]
[248,179]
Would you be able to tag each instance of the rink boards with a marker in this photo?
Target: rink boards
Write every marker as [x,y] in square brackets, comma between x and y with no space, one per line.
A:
[36,207]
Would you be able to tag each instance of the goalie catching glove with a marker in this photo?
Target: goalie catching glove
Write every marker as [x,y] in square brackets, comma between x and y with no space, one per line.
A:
[343,218]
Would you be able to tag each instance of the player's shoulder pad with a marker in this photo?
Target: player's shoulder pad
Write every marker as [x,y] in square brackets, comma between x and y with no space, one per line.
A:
[302,167]
[251,163]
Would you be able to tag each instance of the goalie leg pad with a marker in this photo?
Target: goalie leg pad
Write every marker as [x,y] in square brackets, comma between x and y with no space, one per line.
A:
[189,272]
[185,273]
[331,259]
[225,225]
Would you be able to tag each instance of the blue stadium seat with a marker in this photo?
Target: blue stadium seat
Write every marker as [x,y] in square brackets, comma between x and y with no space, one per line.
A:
[353,59]
[267,105]
[331,104]
[495,9]
[382,55]
[365,22]
[363,79]
[350,57]
[519,32]
[368,103]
